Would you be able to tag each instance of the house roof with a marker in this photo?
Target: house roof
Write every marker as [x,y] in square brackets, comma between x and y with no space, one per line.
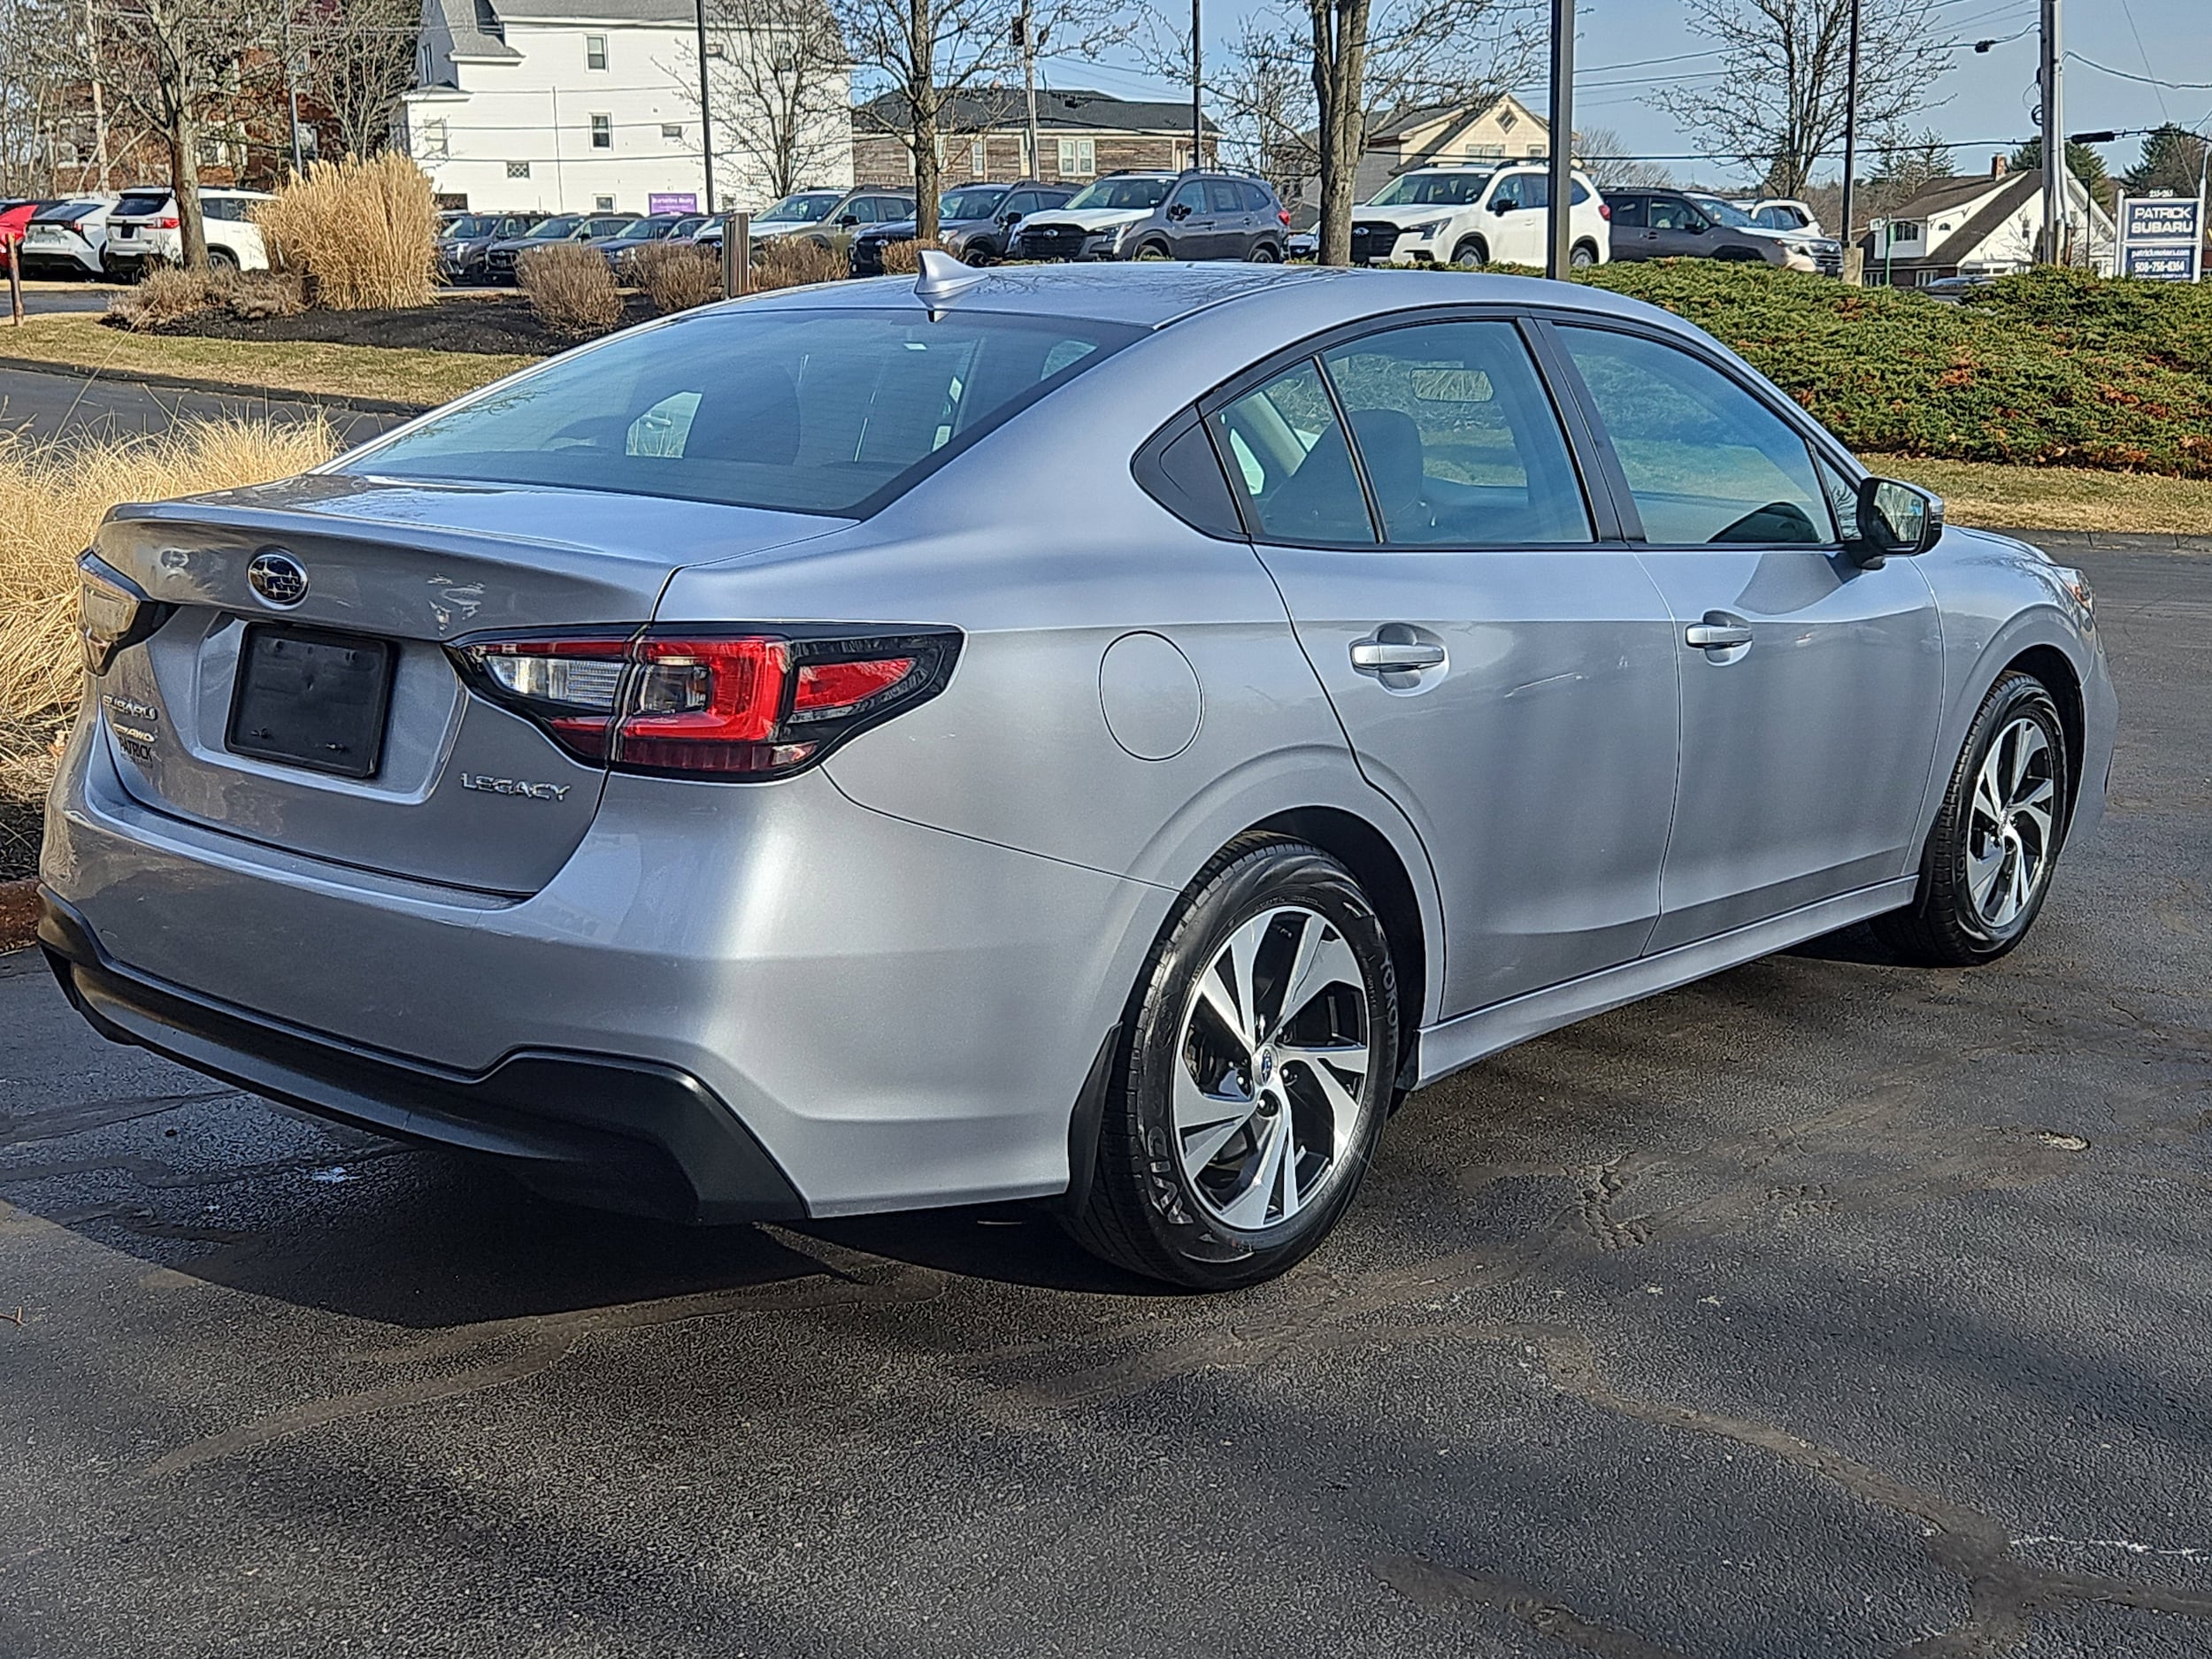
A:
[2012,194]
[1065,109]
[603,11]
[472,26]
[1946,194]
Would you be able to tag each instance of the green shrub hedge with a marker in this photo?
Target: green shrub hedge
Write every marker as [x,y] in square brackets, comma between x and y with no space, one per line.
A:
[2048,368]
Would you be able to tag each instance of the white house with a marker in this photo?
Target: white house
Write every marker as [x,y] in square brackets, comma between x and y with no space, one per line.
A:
[587,106]
[1983,225]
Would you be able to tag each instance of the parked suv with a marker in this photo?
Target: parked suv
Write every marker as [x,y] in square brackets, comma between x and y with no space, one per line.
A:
[468,237]
[1189,215]
[656,227]
[1673,225]
[144,227]
[1473,216]
[1782,213]
[1789,223]
[501,257]
[829,218]
[974,222]
[67,238]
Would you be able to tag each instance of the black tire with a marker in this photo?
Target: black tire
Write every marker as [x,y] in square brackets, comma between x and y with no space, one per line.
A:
[1144,1212]
[1266,253]
[1945,925]
[1152,250]
[1472,250]
[1582,255]
[975,254]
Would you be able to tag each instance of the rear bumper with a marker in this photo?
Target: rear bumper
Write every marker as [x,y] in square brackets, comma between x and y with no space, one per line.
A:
[620,1133]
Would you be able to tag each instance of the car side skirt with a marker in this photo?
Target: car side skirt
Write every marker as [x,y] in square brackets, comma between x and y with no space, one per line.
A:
[1455,1043]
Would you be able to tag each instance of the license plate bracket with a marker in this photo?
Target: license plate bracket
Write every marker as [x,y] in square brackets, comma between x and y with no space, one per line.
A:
[312,698]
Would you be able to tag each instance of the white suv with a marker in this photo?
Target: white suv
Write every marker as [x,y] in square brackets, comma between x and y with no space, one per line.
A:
[144,228]
[1476,215]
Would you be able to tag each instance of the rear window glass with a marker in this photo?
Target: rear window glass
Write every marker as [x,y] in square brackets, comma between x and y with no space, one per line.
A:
[141,203]
[829,411]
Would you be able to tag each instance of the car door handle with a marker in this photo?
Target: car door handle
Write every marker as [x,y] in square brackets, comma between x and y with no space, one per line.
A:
[1383,656]
[1716,636]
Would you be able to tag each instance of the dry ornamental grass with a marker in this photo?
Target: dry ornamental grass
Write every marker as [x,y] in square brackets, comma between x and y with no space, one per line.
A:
[363,234]
[677,277]
[904,258]
[57,496]
[571,288]
[790,261]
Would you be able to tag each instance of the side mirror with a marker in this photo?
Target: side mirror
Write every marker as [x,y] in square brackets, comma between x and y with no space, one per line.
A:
[846,220]
[1896,519]
[1176,210]
[1503,206]
[1010,218]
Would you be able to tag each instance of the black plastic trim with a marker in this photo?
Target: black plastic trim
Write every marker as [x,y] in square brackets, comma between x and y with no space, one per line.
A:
[1084,1125]
[604,1129]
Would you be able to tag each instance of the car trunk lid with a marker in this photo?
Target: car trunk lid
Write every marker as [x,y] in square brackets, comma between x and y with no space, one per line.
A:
[208,716]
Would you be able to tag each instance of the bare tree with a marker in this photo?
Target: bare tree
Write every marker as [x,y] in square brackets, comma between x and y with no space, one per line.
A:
[1600,152]
[1304,89]
[1776,100]
[184,68]
[358,57]
[780,73]
[932,51]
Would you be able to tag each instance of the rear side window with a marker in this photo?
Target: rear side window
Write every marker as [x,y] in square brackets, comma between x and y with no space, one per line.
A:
[1460,443]
[1287,455]
[1226,195]
[826,412]
[1705,460]
[1628,210]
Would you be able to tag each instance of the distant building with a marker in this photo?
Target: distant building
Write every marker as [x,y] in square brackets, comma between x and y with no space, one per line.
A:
[1501,129]
[985,135]
[1986,224]
[577,107]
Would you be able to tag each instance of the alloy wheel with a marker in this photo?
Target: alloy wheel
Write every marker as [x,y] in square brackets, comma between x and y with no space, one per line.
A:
[1275,1047]
[2010,823]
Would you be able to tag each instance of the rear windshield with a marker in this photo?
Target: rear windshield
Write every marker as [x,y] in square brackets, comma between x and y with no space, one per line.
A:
[141,203]
[828,411]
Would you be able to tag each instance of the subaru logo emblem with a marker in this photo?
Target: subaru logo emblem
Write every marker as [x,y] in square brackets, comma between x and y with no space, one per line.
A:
[278,578]
[1267,1067]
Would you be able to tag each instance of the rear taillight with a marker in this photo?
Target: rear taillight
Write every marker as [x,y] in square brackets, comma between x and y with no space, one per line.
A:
[1283,213]
[1604,211]
[728,703]
[168,221]
[112,611]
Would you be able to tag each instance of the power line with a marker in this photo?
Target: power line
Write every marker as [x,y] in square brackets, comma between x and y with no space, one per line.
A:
[2149,81]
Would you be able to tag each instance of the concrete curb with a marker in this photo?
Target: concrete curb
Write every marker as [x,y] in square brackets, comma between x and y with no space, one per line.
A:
[19,913]
[220,388]
[2110,540]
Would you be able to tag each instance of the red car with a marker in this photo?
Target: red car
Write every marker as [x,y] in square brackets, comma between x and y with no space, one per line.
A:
[14,217]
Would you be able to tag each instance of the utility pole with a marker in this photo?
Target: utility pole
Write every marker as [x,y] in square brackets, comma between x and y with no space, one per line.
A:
[2054,141]
[1850,144]
[1557,256]
[1025,37]
[1197,121]
[99,99]
[706,118]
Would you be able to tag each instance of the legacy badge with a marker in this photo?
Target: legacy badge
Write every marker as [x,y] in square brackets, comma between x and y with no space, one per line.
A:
[513,786]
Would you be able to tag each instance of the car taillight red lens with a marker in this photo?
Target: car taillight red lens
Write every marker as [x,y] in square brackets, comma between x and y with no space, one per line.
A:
[1283,214]
[713,704]
[169,221]
[1605,210]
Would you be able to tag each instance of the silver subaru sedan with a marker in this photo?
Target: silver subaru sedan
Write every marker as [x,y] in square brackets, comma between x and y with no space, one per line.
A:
[1099,736]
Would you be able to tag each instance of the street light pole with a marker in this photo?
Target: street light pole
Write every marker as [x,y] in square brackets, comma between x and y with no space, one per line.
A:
[2054,139]
[1558,255]
[1850,134]
[706,116]
[1197,121]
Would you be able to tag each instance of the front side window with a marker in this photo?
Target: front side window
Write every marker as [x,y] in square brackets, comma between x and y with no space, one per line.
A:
[1192,196]
[1288,459]
[1460,443]
[805,411]
[1705,460]
[1671,212]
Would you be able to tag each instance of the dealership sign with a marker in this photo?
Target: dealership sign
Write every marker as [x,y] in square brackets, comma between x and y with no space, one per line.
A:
[2161,237]
[671,202]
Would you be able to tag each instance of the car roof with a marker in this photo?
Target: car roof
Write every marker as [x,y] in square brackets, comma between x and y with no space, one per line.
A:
[1157,295]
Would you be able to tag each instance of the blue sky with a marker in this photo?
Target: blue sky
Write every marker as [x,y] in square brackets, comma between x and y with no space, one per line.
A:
[1986,97]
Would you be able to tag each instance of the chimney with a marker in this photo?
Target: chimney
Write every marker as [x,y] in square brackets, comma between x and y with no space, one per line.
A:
[1996,166]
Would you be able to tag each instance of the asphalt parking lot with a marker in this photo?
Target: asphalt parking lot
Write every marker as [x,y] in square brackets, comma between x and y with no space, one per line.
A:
[41,406]
[1826,1307]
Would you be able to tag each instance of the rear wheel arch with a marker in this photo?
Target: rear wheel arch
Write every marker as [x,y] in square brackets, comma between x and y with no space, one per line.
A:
[1368,853]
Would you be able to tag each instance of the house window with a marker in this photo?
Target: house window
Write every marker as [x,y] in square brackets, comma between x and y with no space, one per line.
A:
[603,132]
[433,147]
[603,205]
[1079,157]
[518,170]
[714,50]
[1507,120]
[595,52]
[672,132]
[1904,230]
[979,158]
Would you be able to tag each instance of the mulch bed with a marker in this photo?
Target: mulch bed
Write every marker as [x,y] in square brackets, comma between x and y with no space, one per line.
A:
[483,323]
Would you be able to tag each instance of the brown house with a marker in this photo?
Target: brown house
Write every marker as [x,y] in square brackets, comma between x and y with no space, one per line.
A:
[985,135]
